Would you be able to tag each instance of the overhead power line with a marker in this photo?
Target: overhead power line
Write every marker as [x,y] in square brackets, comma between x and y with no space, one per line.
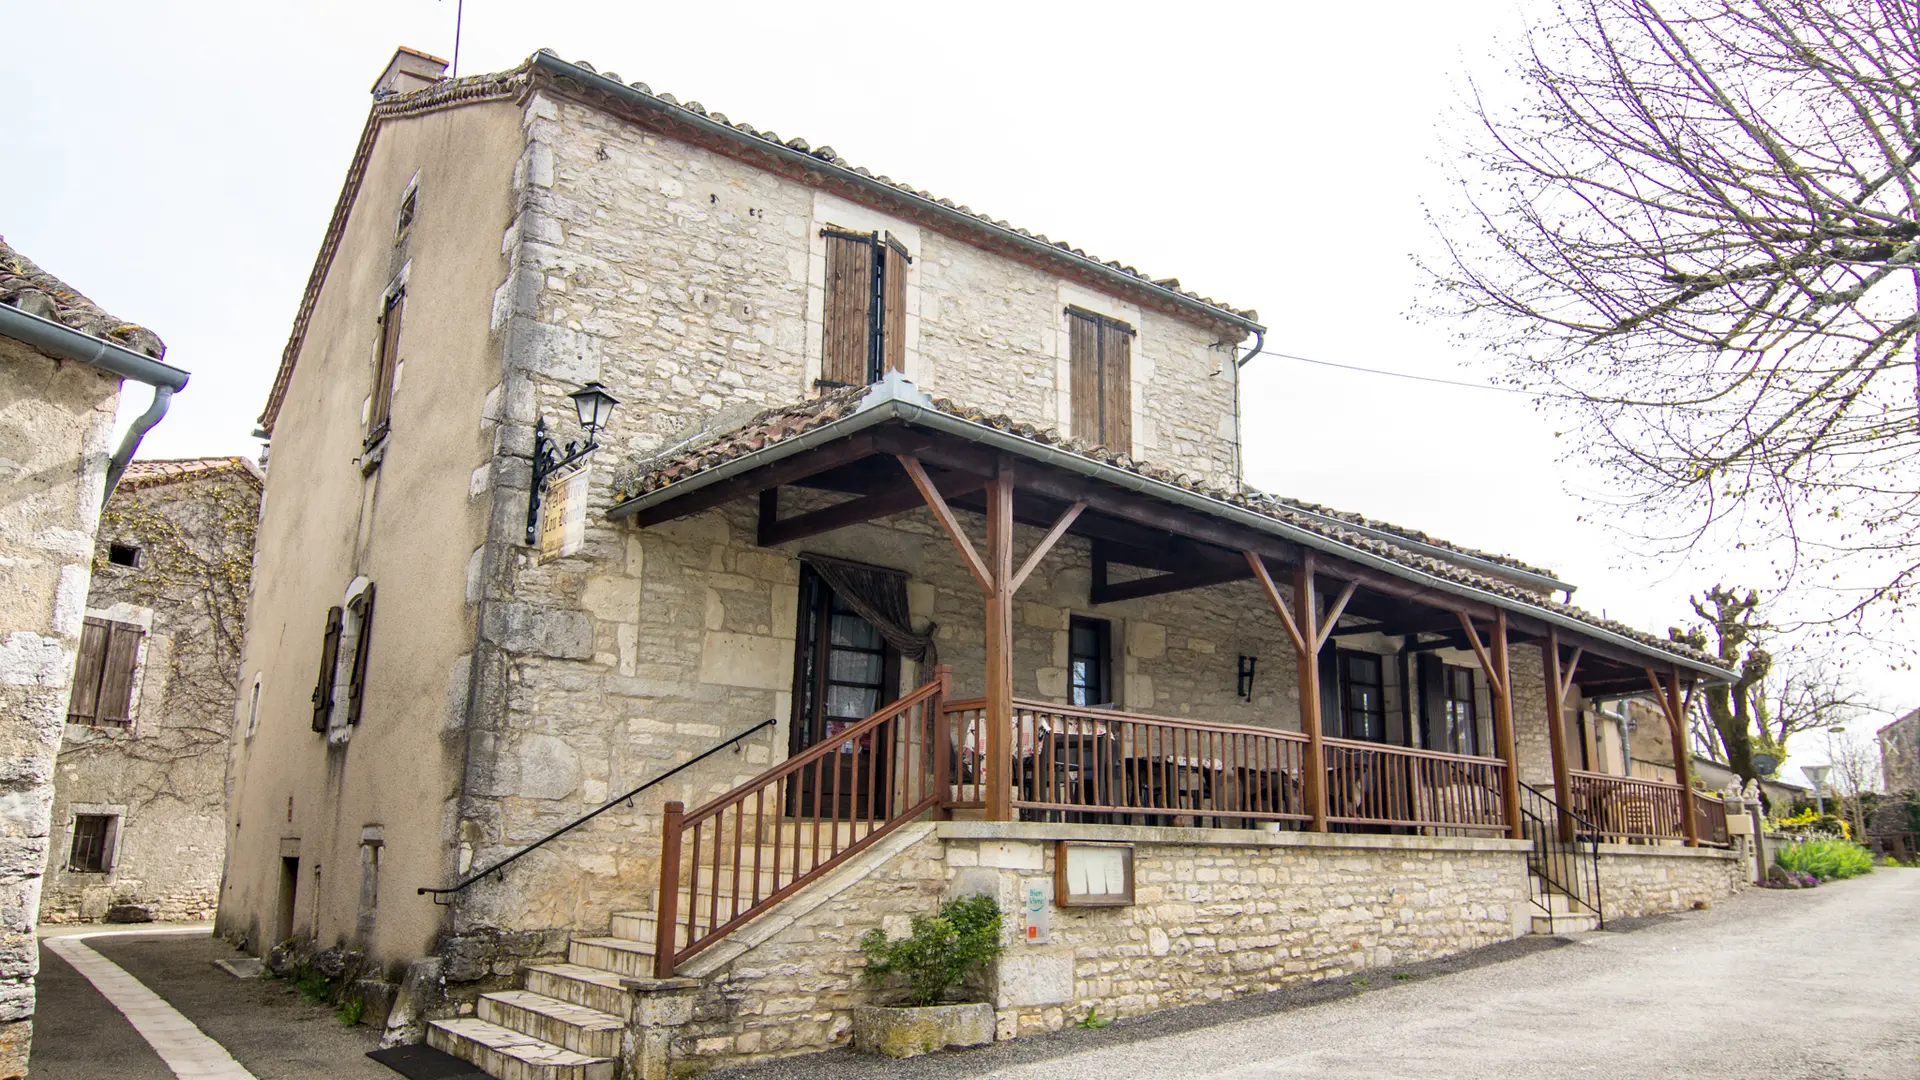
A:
[1425,378]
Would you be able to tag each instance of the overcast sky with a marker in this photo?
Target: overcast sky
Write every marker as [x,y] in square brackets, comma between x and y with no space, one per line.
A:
[178,164]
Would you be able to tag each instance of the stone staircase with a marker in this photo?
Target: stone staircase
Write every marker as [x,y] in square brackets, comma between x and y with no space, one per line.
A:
[1560,915]
[569,1020]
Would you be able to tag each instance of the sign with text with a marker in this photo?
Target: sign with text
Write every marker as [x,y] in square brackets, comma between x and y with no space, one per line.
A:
[563,513]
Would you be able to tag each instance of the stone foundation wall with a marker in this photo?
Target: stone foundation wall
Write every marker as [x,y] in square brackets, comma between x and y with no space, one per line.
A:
[1218,914]
[1640,880]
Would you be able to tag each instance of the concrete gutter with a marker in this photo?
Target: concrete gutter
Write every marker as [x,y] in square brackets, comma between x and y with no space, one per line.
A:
[894,398]
[67,343]
[802,158]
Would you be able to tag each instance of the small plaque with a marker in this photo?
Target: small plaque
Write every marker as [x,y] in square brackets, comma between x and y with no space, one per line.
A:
[1093,875]
[563,514]
[1036,925]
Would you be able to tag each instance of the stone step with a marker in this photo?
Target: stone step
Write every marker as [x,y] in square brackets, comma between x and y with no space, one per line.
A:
[594,988]
[509,1055]
[1564,924]
[562,1023]
[618,955]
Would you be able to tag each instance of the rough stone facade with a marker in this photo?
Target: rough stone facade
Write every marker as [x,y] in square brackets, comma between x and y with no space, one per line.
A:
[56,429]
[1638,880]
[1900,753]
[189,528]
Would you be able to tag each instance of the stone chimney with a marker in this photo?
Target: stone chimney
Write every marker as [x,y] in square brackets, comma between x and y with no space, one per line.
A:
[409,70]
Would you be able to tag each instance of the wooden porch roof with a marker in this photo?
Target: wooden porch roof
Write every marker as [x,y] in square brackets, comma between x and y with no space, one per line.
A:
[1176,532]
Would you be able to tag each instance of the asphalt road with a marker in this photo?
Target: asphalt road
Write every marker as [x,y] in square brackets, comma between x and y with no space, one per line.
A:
[263,1023]
[1821,984]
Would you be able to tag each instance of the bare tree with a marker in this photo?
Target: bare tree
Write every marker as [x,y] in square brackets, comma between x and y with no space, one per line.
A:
[1805,692]
[1856,771]
[1697,231]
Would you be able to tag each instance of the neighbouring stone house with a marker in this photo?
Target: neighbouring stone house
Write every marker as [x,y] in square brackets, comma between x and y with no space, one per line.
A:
[140,791]
[1900,754]
[62,360]
[916,557]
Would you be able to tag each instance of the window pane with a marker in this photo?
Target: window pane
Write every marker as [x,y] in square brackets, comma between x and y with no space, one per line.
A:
[855,631]
[852,702]
[846,665]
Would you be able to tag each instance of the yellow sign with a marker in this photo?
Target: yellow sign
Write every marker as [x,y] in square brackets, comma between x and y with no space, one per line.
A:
[563,514]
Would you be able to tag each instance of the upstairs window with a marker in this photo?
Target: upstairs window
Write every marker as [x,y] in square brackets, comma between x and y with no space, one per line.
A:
[386,363]
[1101,357]
[1363,696]
[1449,706]
[123,554]
[1089,648]
[103,674]
[866,308]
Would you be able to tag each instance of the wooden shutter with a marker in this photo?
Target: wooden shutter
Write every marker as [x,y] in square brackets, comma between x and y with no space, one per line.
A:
[116,675]
[1116,387]
[1083,391]
[849,306]
[329,657]
[380,416]
[1333,697]
[1433,703]
[357,681]
[83,707]
[893,322]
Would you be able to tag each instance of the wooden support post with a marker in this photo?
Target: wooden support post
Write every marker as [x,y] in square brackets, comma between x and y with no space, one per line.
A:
[1503,721]
[1669,695]
[942,736]
[1307,619]
[1557,731]
[667,917]
[999,688]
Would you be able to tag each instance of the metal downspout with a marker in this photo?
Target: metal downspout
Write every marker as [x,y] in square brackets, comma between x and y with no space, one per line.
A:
[162,398]
[1239,429]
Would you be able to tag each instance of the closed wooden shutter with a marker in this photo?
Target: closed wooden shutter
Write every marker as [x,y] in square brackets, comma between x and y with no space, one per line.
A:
[1116,387]
[379,417]
[329,657]
[83,707]
[116,675]
[893,323]
[1433,703]
[1084,361]
[357,681]
[849,306]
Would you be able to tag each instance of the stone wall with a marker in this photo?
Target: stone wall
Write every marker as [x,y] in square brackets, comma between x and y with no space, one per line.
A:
[56,429]
[1217,915]
[1640,880]
[1900,753]
[164,775]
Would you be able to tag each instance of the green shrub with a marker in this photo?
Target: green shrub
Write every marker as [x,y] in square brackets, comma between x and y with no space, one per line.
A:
[314,988]
[1828,860]
[940,951]
[351,1010]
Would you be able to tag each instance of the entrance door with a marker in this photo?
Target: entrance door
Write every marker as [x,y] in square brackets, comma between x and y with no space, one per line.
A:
[844,671]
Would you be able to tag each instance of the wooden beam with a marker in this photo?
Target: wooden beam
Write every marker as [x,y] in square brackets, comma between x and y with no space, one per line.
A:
[1573,666]
[1557,732]
[1333,615]
[1494,678]
[883,503]
[1311,723]
[1279,606]
[1669,698]
[999,647]
[1161,584]
[944,514]
[1503,725]
[752,482]
[1045,545]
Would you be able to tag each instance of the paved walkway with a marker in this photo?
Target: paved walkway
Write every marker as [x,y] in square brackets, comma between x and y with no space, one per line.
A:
[1820,985]
[151,1006]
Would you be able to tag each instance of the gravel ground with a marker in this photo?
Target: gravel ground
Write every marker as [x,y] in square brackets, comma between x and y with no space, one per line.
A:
[1814,984]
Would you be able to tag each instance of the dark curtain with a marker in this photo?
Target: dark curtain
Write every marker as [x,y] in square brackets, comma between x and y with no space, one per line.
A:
[879,596]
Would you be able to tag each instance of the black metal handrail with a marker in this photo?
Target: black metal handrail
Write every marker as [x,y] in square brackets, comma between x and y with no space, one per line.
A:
[1571,866]
[500,867]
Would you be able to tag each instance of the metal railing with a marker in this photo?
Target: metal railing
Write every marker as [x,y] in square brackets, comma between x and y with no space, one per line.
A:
[1565,857]
[734,857]
[439,892]
[1622,808]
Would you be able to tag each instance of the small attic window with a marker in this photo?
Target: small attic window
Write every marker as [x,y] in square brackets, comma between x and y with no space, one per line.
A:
[408,202]
[123,554]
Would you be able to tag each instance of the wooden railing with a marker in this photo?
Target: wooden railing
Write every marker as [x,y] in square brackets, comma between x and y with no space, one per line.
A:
[1623,808]
[1376,784]
[736,856]
[1711,816]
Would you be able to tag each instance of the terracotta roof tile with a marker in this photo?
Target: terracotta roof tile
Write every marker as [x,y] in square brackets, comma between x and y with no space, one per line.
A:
[25,286]
[153,471]
[786,422]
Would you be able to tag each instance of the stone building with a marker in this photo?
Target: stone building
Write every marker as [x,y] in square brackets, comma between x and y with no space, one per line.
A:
[62,360]
[140,790]
[1900,754]
[917,538]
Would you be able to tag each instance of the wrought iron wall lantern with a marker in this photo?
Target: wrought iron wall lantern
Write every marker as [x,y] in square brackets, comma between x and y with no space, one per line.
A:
[1245,685]
[594,406]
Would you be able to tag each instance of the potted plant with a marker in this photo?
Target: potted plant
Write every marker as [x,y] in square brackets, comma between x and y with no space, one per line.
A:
[935,959]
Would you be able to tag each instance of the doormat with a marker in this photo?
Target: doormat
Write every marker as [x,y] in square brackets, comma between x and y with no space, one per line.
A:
[423,1062]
